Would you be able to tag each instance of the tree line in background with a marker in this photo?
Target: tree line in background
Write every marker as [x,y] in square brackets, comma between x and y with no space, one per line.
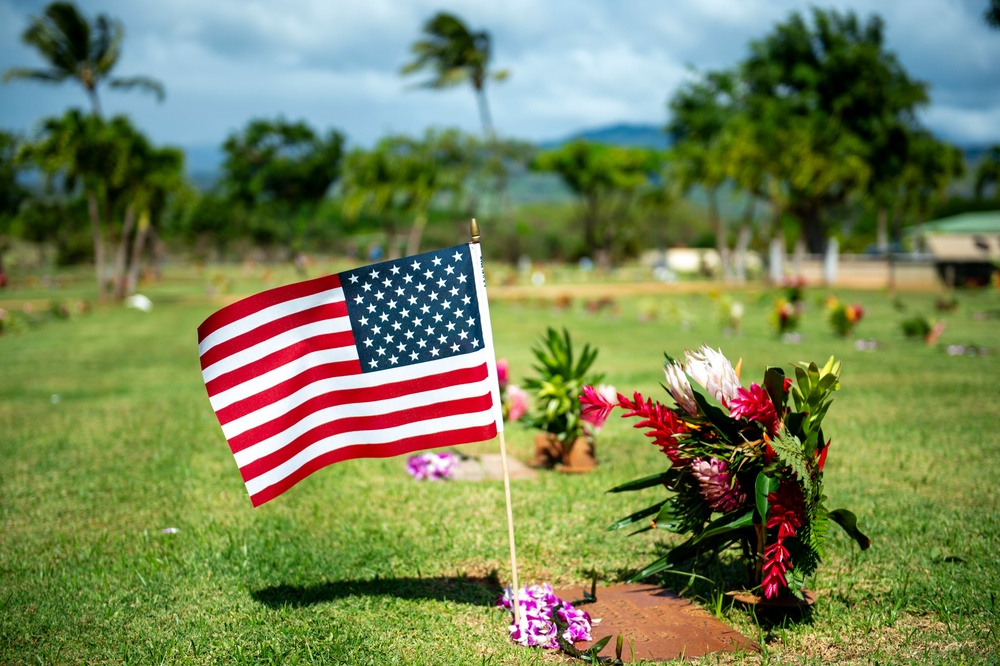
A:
[816,127]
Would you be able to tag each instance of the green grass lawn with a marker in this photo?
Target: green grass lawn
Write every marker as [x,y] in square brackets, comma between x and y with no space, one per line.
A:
[107,438]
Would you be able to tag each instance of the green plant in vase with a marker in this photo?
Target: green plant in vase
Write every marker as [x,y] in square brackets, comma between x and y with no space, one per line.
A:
[556,389]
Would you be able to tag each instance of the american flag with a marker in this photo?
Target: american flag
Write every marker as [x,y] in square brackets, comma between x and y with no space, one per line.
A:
[372,362]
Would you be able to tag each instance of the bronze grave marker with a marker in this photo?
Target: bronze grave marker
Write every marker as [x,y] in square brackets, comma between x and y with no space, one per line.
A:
[661,625]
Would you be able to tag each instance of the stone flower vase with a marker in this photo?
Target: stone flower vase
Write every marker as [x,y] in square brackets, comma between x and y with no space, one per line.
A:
[551,453]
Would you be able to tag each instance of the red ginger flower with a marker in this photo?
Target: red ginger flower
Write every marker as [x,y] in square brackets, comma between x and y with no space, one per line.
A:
[786,515]
[662,422]
[755,404]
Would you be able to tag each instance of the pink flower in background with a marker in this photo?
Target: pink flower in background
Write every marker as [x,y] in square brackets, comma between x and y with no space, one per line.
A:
[755,404]
[722,492]
[430,466]
[680,388]
[596,405]
[537,628]
[516,404]
[503,371]
[712,370]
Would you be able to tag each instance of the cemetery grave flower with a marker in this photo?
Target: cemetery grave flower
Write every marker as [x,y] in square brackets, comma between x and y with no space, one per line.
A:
[431,466]
[745,467]
[843,318]
[537,629]
[785,316]
[513,399]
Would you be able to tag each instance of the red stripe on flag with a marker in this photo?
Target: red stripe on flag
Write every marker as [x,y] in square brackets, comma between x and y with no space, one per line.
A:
[263,300]
[271,329]
[398,448]
[332,398]
[284,356]
[362,423]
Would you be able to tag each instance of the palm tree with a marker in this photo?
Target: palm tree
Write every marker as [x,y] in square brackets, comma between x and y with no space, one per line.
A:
[78,149]
[456,55]
[77,50]
[992,14]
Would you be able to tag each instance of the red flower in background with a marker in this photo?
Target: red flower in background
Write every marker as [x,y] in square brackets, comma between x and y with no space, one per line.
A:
[596,407]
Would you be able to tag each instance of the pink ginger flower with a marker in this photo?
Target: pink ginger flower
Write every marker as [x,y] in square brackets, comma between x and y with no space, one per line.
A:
[596,405]
[755,404]
[503,372]
[712,370]
[680,388]
[720,489]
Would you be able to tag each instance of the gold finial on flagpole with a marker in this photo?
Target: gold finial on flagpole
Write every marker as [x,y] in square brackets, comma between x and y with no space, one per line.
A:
[474,230]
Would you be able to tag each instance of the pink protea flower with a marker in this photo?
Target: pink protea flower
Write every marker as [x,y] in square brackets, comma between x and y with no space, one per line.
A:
[755,404]
[680,388]
[596,405]
[719,488]
[712,370]
[516,404]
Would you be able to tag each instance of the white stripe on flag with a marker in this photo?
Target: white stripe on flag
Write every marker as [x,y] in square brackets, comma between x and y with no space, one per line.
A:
[272,378]
[428,427]
[278,342]
[273,410]
[267,315]
[335,413]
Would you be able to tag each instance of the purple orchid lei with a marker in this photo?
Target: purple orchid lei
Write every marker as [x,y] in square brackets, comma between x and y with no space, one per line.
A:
[537,628]
[430,466]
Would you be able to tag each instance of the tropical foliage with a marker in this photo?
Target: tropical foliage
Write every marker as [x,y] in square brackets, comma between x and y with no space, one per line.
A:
[80,51]
[560,380]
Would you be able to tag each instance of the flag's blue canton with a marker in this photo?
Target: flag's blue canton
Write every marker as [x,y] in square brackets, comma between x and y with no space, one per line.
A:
[414,310]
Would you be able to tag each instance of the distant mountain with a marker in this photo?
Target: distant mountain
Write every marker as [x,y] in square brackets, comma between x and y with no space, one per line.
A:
[620,134]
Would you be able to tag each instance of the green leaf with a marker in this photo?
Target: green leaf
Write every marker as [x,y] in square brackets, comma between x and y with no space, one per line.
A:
[764,486]
[663,565]
[728,426]
[790,453]
[646,482]
[637,516]
[849,522]
[774,383]
[724,525]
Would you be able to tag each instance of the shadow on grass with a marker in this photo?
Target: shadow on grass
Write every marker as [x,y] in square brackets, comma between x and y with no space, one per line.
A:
[475,591]
[728,572]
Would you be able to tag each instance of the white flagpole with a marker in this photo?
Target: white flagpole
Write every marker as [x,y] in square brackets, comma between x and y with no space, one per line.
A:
[474,228]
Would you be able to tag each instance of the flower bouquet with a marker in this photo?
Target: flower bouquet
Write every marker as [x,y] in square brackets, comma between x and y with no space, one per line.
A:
[745,467]
[843,318]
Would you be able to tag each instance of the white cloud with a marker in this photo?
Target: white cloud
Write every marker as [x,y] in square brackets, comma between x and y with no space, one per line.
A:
[573,64]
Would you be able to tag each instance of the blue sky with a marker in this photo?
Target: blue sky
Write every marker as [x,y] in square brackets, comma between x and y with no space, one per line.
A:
[573,64]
